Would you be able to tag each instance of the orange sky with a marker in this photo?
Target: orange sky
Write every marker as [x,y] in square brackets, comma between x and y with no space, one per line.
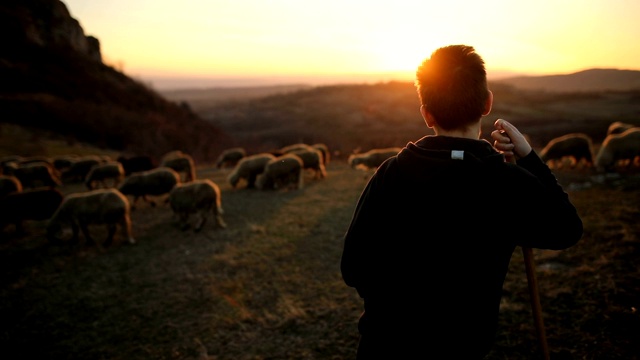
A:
[205,40]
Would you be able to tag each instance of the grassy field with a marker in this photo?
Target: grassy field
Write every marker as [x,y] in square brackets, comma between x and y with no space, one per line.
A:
[268,286]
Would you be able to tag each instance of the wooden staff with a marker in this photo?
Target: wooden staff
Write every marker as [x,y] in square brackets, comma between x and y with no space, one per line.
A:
[534,297]
[534,294]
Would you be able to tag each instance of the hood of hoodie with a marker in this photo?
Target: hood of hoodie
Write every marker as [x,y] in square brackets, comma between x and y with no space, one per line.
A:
[424,157]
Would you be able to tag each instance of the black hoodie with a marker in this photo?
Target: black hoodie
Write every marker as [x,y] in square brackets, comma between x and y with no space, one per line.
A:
[431,238]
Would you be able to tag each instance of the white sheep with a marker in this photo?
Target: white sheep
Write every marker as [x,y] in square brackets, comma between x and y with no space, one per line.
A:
[618,127]
[102,173]
[199,197]
[372,158]
[155,182]
[181,163]
[285,171]
[248,168]
[9,184]
[312,159]
[230,157]
[101,206]
[326,154]
[577,148]
[80,167]
[618,149]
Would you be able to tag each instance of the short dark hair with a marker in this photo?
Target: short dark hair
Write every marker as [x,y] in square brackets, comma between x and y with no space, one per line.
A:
[452,84]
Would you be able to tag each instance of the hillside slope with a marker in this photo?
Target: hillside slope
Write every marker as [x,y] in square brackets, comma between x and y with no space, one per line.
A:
[587,81]
[53,78]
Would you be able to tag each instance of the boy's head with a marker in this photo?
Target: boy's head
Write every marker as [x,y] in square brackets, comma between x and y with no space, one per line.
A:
[452,86]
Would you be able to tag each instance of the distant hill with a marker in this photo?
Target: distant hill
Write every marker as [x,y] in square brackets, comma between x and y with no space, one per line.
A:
[587,80]
[52,78]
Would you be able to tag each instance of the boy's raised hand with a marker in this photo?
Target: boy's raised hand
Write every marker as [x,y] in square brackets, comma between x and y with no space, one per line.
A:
[509,140]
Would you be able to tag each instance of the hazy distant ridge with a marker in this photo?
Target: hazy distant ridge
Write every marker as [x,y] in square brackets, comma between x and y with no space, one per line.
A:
[587,80]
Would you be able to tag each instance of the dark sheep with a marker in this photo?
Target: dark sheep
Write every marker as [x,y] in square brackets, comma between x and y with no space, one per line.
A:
[158,181]
[33,175]
[577,147]
[30,204]
[199,197]
[102,173]
[284,171]
[230,157]
[372,158]
[181,163]
[79,169]
[326,154]
[9,184]
[137,163]
[101,206]
[249,168]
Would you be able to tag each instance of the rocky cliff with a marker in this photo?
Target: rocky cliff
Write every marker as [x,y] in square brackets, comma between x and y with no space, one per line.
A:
[52,77]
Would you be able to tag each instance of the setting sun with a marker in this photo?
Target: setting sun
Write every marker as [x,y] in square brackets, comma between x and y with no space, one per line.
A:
[250,38]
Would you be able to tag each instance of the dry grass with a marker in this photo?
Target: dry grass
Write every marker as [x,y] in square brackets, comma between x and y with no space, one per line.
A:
[268,286]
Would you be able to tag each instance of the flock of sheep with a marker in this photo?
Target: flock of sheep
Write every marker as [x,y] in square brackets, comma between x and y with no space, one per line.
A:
[620,148]
[29,186]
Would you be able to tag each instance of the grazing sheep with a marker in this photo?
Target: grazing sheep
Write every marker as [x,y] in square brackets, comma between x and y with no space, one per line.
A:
[576,147]
[618,127]
[29,204]
[136,163]
[64,162]
[618,150]
[101,173]
[230,157]
[199,197]
[158,181]
[79,169]
[8,167]
[311,159]
[249,168]
[9,184]
[171,155]
[372,158]
[101,206]
[283,171]
[32,175]
[326,154]
[36,160]
[181,163]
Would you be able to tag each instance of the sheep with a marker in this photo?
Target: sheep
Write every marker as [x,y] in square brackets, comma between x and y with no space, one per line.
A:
[64,162]
[136,163]
[101,206]
[311,159]
[101,173]
[326,155]
[181,163]
[283,171]
[372,158]
[158,181]
[199,197]
[9,184]
[576,147]
[618,127]
[32,175]
[29,204]
[79,169]
[617,149]
[230,157]
[248,168]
